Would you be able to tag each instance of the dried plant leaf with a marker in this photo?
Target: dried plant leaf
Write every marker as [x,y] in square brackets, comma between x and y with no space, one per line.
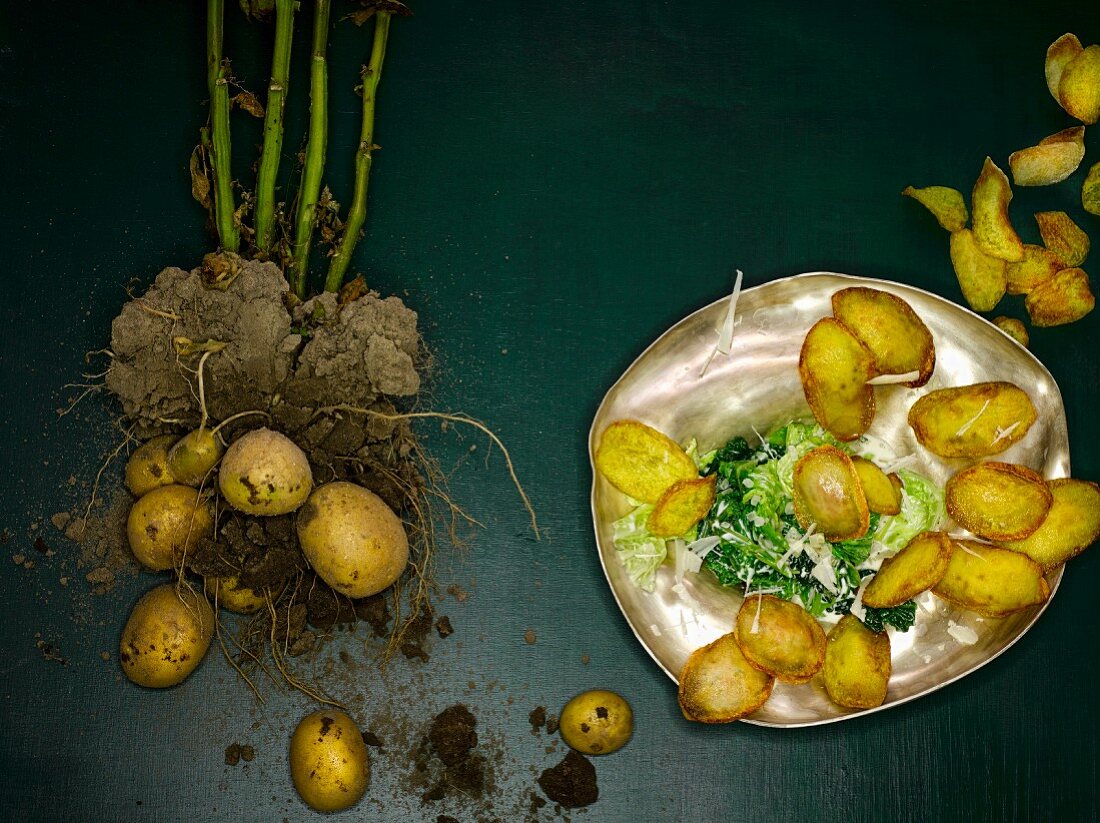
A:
[185,346]
[1052,161]
[1079,86]
[1060,52]
[1039,265]
[989,206]
[946,204]
[1063,237]
[250,103]
[351,290]
[200,181]
[982,278]
[1090,191]
[1013,328]
[1065,298]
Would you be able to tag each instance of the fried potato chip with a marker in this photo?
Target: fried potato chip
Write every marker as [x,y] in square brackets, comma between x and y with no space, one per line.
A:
[1052,161]
[1090,191]
[1013,328]
[978,420]
[989,208]
[915,569]
[946,204]
[991,581]
[897,338]
[982,278]
[857,664]
[1063,237]
[640,461]
[828,494]
[1079,86]
[998,501]
[683,504]
[780,638]
[1071,525]
[1039,264]
[1060,52]
[835,367]
[896,482]
[882,495]
[717,684]
[1064,298]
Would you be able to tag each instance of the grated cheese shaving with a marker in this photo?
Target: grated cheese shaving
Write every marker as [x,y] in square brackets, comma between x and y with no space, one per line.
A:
[725,335]
[653,627]
[857,604]
[756,617]
[703,546]
[963,634]
[981,557]
[1003,433]
[966,426]
[888,379]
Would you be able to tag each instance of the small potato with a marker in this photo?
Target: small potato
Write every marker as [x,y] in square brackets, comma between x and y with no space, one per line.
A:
[897,338]
[835,367]
[1038,266]
[194,456]
[1013,328]
[1070,527]
[946,204]
[1063,237]
[982,277]
[640,461]
[991,581]
[998,501]
[265,473]
[780,638]
[597,722]
[1059,54]
[683,504]
[857,664]
[993,230]
[882,494]
[147,467]
[978,420]
[165,638]
[1065,298]
[167,523]
[828,494]
[1052,161]
[915,569]
[229,594]
[717,684]
[328,761]
[1079,86]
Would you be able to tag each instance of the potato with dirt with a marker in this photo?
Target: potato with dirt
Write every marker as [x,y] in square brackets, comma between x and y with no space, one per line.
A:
[167,523]
[265,473]
[229,594]
[166,637]
[328,761]
[147,467]
[194,456]
[597,722]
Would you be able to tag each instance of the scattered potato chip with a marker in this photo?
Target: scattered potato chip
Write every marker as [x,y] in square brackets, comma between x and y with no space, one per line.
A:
[915,569]
[998,501]
[1063,237]
[882,495]
[835,367]
[989,207]
[1060,52]
[991,581]
[828,494]
[717,684]
[1071,525]
[1064,298]
[982,278]
[1013,328]
[1090,191]
[857,664]
[683,504]
[978,420]
[1052,161]
[640,461]
[1079,86]
[780,638]
[946,204]
[897,338]
[1039,264]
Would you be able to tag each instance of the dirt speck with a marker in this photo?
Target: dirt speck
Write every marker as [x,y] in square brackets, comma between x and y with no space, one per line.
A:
[530,638]
[537,719]
[443,627]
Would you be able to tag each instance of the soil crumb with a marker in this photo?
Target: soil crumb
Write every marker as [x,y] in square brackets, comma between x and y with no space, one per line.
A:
[49,650]
[537,719]
[571,783]
[530,638]
[235,753]
[449,763]
[443,627]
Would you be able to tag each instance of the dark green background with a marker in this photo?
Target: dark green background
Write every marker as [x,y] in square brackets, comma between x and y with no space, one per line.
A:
[558,184]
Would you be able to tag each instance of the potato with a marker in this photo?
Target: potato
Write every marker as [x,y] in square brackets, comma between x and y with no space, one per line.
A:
[857,664]
[998,501]
[352,539]
[972,421]
[991,581]
[1060,52]
[229,594]
[780,638]
[717,684]
[828,494]
[915,569]
[1065,298]
[265,473]
[166,524]
[1013,328]
[835,367]
[982,278]
[1038,266]
[328,761]
[1070,527]
[683,504]
[1063,237]
[194,456]
[596,722]
[167,635]
[1052,161]
[1090,190]
[640,461]
[882,495]
[898,340]
[993,230]
[946,204]
[1079,86]
[147,467]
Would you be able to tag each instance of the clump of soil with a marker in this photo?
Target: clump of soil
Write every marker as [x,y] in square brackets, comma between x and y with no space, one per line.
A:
[572,783]
[448,762]
[105,556]
[235,753]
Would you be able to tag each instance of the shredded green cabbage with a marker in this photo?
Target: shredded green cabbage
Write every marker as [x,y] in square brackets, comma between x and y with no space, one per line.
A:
[640,552]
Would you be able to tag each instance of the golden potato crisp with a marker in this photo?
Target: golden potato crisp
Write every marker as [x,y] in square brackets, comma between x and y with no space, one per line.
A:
[1071,525]
[1039,264]
[1063,237]
[640,461]
[1079,86]
[982,278]
[915,569]
[1090,191]
[683,504]
[1052,161]
[717,684]
[1060,52]
[898,340]
[857,664]
[1064,298]
[991,581]
[946,204]
[998,501]
[978,420]
[989,209]
[1013,328]
[835,367]
[828,494]
[780,638]
[882,495]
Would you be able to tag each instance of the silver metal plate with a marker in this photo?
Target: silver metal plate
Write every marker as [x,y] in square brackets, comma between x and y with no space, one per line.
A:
[757,386]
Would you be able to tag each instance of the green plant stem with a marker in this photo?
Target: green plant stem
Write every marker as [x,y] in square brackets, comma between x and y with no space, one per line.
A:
[314,164]
[273,126]
[357,214]
[221,151]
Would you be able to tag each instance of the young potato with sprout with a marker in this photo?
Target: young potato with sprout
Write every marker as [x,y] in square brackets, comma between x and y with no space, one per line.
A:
[147,467]
[597,722]
[265,473]
[194,456]
[328,761]
[166,637]
[167,523]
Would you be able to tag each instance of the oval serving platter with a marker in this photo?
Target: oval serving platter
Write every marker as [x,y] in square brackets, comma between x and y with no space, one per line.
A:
[757,387]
